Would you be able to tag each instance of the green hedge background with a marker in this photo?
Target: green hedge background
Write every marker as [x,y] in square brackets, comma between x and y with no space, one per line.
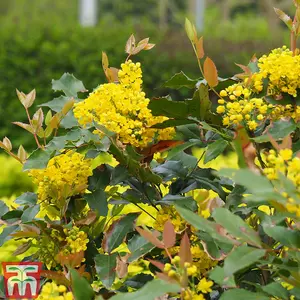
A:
[42,39]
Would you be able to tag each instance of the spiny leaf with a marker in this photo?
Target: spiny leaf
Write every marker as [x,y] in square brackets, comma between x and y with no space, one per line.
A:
[210,72]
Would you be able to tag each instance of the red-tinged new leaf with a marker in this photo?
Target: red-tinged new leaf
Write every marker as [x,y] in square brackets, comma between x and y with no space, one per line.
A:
[185,253]
[157,264]
[284,17]
[88,220]
[24,126]
[165,277]
[210,72]
[130,44]
[199,48]
[149,236]
[7,143]
[169,235]
[70,260]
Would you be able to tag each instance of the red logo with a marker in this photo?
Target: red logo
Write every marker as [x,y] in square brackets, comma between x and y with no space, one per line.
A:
[21,280]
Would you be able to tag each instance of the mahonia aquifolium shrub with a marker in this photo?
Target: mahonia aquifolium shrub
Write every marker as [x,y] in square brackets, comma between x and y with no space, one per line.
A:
[125,206]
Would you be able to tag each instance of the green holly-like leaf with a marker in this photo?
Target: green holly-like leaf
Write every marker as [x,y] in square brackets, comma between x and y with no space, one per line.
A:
[180,80]
[214,150]
[57,104]
[69,85]
[106,268]
[118,230]
[38,160]
[97,200]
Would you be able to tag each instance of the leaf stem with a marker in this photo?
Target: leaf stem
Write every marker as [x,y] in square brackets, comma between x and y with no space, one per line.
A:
[34,134]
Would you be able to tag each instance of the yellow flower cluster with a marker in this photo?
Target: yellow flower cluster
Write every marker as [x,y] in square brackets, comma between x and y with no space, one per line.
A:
[169,213]
[282,70]
[240,108]
[285,163]
[76,240]
[52,291]
[175,271]
[123,109]
[66,175]
[47,251]
[241,104]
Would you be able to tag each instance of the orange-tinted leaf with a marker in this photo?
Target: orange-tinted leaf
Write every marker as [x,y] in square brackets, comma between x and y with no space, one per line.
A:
[71,260]
[122,267]
[165,277]
[161,146]
[185,250]
[59,277]
[24,126]
[199,48]
[149,46]
[20,234]
[30,228]
[210,72]
[157,264]
[149,236]
[169,235]
[89,219]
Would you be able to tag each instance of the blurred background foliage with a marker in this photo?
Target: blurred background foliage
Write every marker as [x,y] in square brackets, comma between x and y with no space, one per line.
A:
[42,39]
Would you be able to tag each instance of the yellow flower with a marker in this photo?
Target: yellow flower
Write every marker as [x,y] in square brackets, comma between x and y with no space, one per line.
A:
[123,109]
[204,286]
[51,290]
[66,175]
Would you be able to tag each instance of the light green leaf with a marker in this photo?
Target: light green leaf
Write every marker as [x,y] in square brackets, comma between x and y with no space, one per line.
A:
[277,290]
[236,226]
[80,287]
[286,236]
[242,294]
[180,80]
[69,85]
[150,291]
[240,258]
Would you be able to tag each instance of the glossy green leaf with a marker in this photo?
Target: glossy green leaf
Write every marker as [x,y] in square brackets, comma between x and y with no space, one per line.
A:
[6,233]
[57,104]
[30,212]
[97,200]
[180,80]
[37,160]
[106,268]
[278,130]
[214,150]
[138,247]
[117,231]
[217,274]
